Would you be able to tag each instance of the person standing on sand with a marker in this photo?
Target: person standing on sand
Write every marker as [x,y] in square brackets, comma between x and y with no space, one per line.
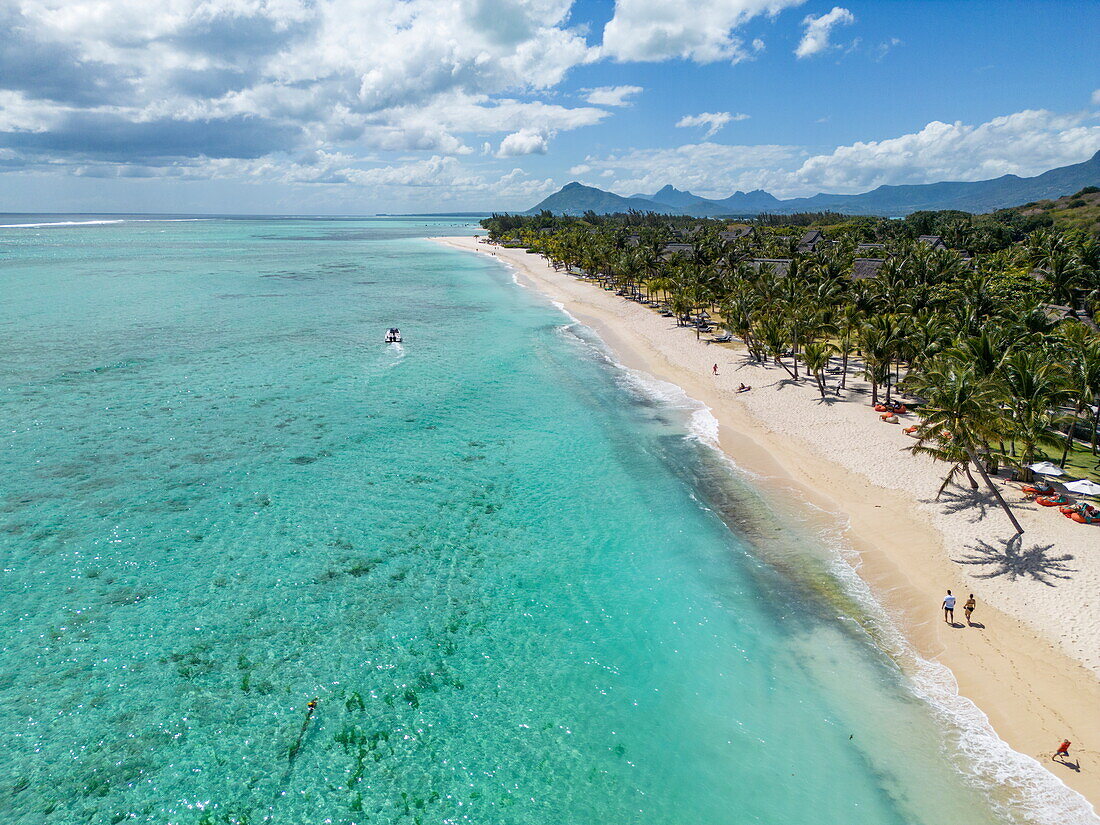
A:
[949,608]
[715,369]
[968,608]
[1063,751]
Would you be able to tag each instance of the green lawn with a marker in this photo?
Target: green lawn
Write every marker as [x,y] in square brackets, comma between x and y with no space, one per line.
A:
[1081,463]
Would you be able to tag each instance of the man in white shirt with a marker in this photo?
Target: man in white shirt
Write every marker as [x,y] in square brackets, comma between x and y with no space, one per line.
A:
[949,608]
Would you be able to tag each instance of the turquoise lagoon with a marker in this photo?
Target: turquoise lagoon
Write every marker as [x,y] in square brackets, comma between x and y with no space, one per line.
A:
[518,586]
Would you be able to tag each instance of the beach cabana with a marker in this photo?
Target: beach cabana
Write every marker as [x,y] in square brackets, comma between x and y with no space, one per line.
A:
[932,241]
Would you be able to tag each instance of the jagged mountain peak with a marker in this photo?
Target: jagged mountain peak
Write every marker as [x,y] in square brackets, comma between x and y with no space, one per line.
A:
[886,200]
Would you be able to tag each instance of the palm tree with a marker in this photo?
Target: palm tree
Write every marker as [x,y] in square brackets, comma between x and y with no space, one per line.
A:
[1082,374]
[879,340]
[682,305]
[1061,270]
[816,355]
[738,311]
[983,353]
[1032,388]
[1087,253]
[773,333]
[960,415]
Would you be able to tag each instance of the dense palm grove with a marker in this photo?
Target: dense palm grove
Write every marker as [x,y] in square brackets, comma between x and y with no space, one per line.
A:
[993,336]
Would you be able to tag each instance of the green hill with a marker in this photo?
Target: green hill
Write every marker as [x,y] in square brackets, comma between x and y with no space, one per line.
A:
[1078,211]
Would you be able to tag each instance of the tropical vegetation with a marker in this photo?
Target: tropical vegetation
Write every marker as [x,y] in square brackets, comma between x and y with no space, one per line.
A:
[993,337]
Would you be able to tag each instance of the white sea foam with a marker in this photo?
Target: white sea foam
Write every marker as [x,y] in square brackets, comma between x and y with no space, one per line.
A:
[103,222]
[701,423]
[1035,794]
[56,223]
[512,270]
[398,350]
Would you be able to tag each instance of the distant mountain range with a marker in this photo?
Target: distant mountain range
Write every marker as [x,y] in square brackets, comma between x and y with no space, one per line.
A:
[885,201]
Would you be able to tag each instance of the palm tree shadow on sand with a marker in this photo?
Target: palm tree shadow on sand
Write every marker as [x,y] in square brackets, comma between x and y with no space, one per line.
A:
[1008,557]
[959,499]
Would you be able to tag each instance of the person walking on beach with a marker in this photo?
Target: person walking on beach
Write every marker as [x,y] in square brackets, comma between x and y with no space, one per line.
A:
[968,608]
[1063,751]
[949,608]
[715,369]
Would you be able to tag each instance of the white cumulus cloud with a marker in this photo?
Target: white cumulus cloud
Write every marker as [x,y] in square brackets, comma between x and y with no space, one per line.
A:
[98,80]
[714,121]
[699,30]
[612,95]
[815,39]
[1024,143]
[523,142]
[707,169]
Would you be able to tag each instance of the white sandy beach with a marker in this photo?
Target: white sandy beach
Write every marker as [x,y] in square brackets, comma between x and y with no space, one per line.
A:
[1033,664]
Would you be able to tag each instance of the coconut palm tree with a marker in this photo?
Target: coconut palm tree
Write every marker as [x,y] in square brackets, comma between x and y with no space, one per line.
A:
[773,332]
[1082,376]
[816,355]
[961,415]
[738,311]
[1032,388]
[879,339]
[1061,270]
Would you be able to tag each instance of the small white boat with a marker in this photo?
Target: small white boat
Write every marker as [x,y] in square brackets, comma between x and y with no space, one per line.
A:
[393,336]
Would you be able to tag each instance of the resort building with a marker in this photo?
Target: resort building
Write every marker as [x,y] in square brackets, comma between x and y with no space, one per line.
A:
[864,268]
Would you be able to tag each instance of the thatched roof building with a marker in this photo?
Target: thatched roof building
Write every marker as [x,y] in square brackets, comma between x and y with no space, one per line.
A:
[811,240]
[683,249]
[870,247]
[779,266]
[864,268]
[735,234]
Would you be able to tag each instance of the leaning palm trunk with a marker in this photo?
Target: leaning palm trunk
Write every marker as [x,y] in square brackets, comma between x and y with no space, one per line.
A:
[779,360]
[969,476]
[959,416]
[993,489]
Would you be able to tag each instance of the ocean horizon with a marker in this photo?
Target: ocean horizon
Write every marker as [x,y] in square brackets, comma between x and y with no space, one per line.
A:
[516,580]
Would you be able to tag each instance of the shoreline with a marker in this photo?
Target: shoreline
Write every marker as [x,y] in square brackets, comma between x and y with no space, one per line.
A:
[1035,687]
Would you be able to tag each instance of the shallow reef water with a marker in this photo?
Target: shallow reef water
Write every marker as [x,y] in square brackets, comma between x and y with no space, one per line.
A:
[517,588]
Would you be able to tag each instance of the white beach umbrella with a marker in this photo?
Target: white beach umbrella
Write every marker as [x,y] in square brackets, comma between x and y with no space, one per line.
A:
[1047,469]
[1084,487]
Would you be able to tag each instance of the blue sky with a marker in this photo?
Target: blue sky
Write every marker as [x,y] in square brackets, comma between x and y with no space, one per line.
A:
[358,106]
